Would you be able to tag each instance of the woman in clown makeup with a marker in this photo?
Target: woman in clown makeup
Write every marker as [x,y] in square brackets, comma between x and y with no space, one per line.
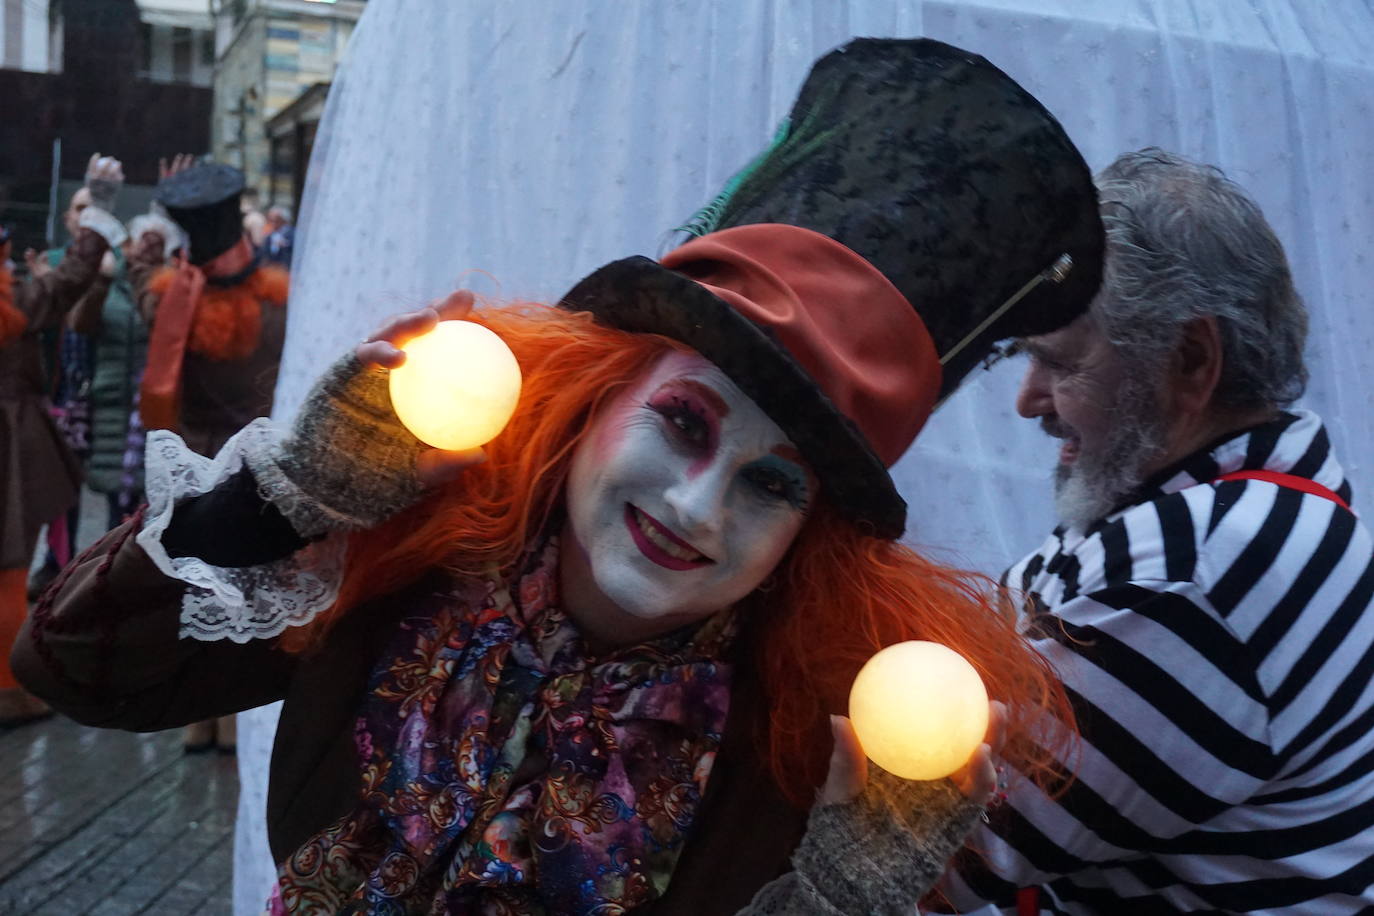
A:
[592,667]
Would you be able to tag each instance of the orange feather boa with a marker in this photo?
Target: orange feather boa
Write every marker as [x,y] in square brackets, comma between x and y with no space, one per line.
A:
[228,320]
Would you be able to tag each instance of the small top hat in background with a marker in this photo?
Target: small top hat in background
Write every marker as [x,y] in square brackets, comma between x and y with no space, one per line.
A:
[917,206]
[204,201]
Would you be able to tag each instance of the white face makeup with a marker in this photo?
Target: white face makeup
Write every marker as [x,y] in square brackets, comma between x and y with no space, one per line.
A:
[682,498]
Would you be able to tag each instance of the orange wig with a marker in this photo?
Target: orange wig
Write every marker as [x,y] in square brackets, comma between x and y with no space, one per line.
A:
[837,597]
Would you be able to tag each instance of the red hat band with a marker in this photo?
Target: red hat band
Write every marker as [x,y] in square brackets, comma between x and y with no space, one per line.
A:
[835,313]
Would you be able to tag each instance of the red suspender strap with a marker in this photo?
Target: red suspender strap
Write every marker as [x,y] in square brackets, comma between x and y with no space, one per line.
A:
[1291,481]
[1028,901]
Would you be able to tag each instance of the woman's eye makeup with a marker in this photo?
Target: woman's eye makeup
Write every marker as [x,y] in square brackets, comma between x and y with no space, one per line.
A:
[776,481]
[687,410]
[691,414]
[689,420]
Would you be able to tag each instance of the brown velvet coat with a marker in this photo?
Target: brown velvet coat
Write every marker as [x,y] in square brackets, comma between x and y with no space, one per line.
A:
[102,647]
[39,476]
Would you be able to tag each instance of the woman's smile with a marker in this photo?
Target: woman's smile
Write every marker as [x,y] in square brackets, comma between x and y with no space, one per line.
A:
[659,544]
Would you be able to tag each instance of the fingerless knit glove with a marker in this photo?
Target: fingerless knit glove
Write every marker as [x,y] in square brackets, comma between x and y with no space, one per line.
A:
[879,853]
[348,462]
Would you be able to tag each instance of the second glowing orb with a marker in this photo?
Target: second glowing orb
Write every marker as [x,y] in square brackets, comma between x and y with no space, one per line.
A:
[920,710]
[458,386]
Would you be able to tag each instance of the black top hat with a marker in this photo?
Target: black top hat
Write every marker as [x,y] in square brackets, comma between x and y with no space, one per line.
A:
[934,167]
[204,201]
[949,177]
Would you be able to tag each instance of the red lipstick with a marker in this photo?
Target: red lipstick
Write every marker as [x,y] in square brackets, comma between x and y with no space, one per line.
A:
[670,551]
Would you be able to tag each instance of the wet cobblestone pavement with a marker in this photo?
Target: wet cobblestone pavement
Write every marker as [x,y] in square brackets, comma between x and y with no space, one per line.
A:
[108,822]
[94,821]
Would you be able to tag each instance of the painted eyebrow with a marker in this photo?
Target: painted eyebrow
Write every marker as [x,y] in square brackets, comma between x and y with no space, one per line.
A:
[703,391]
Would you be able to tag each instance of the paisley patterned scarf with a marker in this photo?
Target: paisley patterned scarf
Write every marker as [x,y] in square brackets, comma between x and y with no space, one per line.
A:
[505,771]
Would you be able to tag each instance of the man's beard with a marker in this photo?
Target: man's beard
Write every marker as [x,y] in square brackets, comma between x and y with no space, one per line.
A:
[1100,479]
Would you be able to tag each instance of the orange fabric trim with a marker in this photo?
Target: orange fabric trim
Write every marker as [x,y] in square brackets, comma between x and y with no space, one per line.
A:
[159,401]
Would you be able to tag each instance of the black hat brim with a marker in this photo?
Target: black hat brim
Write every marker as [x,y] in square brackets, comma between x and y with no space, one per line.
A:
[640,295]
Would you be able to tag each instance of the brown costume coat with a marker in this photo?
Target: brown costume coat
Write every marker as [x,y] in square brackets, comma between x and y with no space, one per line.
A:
[39,476]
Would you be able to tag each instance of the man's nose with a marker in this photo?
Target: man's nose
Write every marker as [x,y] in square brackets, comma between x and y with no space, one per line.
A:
[1034,398]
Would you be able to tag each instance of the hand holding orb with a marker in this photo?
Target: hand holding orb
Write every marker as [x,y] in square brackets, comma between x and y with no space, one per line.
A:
[458,386]
[920,710]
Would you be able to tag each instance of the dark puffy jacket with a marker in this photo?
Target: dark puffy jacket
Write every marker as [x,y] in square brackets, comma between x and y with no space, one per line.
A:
[121,347]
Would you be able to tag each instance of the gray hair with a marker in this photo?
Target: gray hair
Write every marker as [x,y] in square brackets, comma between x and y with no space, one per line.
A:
[1184,242]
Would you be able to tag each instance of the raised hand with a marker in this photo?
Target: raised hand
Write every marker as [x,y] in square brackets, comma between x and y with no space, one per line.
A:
[180,163]
[37,264]
[383,348]
[104,177]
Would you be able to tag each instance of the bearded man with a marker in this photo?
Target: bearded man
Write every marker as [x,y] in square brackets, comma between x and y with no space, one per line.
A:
[1206,599]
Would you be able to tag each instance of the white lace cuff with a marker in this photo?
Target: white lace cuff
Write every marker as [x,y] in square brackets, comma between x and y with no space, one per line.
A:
[254,602]
[104,223]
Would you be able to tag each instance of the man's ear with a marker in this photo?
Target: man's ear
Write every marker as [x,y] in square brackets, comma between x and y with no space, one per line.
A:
[1197,365]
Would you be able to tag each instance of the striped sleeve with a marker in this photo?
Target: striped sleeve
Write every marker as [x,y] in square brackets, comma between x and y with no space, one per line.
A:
[1227,753]
[1166,703]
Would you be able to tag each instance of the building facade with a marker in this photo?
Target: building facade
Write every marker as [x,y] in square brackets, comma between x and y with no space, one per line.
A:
[30,36]
[82,76]
[270,53]
[178,42]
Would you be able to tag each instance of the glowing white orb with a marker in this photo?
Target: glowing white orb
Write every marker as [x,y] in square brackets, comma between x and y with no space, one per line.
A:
[458,386]
[920,710]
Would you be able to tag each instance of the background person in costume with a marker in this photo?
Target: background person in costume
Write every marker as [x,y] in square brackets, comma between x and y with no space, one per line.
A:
[595,669]
[109,318]
[121,341]
[1207,596]
[71,359]
[281,236]
[218,320]
[40,478]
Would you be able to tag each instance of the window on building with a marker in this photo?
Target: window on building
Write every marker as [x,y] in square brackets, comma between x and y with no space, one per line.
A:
[145,49]
[181,55]
[175,54]
[55,38]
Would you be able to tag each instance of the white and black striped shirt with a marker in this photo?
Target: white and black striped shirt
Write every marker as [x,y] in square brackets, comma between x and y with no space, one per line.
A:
[1217,642]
